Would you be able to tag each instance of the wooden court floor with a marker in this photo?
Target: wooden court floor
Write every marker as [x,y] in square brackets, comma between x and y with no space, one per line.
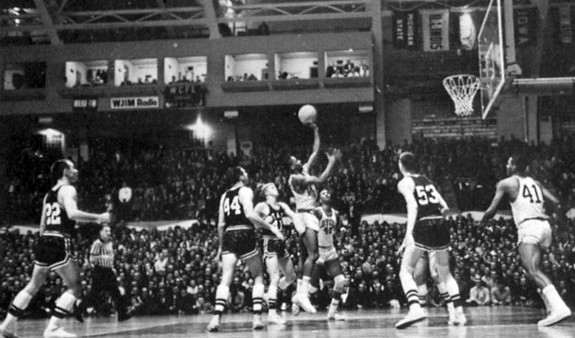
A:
[486,322]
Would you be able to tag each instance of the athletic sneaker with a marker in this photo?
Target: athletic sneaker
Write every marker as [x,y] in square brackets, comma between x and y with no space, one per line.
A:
[275,318]
[214,324]
[304,302]
[258,324]
[6,333]
[457,317]
[413,316]
[335,316]
[555,317]
[295,309]
[54,331]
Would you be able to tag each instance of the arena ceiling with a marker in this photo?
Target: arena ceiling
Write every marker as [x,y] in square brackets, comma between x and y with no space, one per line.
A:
[59,22]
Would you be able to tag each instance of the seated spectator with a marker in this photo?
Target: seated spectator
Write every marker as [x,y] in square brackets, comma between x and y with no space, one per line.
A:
[500,294]
[479,295]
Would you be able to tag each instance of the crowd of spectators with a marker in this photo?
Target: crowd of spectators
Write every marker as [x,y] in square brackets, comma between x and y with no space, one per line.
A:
[174,271]
[347,69]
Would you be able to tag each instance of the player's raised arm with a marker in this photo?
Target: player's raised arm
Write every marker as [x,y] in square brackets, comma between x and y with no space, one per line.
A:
[332,158]
[315,150]
[67,197]
[246,196]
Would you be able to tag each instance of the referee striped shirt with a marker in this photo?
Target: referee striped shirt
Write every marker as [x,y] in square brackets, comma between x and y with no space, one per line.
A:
[102,254]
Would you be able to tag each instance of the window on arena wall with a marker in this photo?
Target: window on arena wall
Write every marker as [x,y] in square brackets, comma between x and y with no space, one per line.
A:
[296,65]
[246,67]
[193,69]
[86,73]
[25,75]
[135,72]
[347,63]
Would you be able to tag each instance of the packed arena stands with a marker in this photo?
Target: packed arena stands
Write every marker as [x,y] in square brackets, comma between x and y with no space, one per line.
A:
[174,271]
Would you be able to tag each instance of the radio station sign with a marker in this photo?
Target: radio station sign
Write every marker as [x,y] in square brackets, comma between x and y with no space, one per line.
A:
[135,102]
[85,104]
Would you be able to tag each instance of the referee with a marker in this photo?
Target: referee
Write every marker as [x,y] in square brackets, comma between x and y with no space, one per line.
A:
[103,276]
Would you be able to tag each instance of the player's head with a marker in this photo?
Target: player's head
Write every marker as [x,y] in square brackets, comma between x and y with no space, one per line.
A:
[325,196]
[105,232]
[64,169]
[295,164]
[408,163]
[270,189]
[517,164]
[240,175]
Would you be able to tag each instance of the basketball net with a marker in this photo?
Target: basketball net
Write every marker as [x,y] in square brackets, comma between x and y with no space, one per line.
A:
[462,89]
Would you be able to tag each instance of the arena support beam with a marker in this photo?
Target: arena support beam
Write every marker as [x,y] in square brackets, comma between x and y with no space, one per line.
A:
[48,22]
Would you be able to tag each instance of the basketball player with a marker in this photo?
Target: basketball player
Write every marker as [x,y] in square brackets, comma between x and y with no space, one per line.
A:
[426,232]
[103,276]
[275,255]
[303,187]
[526,197]
[237,240]
[427,266]
[329,222]
[53,251]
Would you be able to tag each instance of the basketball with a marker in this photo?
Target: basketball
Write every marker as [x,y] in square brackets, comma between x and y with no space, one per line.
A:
[307,114]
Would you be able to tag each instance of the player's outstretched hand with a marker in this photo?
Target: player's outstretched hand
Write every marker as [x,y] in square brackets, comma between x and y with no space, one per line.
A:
[312,125]
[104,218]
[334,155]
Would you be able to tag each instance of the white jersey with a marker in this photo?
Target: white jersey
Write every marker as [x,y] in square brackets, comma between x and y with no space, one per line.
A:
[529,201]
[305,195]
[327,226]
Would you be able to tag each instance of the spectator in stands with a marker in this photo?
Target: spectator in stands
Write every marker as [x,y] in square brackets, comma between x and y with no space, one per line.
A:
[500,294]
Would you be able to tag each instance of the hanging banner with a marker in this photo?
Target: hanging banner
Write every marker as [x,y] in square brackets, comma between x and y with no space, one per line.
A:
[399,29]
[565,28]
[524,23]
[435,30]
[411,29]
[404,29]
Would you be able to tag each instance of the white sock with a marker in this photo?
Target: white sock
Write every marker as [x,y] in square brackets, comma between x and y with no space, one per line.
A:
[299,286]
[305,285]
[63,307]
[272,297]
[257,298]
[422,293]
[553,297]
[222,294]
[545,300]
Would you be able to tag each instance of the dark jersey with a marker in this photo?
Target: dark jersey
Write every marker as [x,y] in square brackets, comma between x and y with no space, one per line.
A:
[275,218]
[234,214]
[55,215]
[427,197]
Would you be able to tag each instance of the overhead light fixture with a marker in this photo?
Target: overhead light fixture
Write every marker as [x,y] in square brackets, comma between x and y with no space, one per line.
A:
[230,114]
[366,108]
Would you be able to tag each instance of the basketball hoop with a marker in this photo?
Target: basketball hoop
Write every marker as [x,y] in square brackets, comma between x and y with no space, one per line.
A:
[462,89]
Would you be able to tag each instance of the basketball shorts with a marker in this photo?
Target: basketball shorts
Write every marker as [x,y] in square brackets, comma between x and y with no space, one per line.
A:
[53,251]
[304,220]
[241,243]
[274,248]
[431,234]
[327,254]
[535,231]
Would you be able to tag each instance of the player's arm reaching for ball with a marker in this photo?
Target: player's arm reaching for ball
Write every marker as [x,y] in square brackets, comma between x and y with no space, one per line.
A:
[332,158]
[315,150]
[246,196]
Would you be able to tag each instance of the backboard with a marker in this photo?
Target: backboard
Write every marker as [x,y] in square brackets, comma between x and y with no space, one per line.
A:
[491,49]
